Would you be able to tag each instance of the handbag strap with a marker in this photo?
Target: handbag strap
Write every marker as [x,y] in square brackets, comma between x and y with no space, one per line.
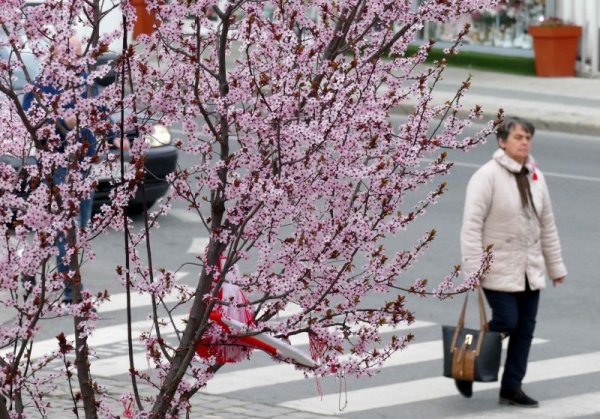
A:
[460,324]
[483,324]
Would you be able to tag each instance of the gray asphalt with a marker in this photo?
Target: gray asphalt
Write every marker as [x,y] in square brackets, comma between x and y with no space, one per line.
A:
[569,317]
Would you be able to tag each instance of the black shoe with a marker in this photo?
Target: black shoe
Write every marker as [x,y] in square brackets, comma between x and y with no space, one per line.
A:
[517,398]
[464,387]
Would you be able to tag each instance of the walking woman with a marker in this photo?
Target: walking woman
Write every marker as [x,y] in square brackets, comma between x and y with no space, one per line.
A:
[507,205]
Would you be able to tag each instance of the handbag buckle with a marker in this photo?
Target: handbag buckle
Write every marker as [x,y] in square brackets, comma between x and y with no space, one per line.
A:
[469,339]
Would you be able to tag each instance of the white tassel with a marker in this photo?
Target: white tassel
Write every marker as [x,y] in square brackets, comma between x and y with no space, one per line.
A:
[237,307]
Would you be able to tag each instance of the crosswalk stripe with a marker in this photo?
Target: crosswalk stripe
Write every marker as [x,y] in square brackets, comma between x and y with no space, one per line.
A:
[275,374]
[119,301]
[118,365]
[433,388]
[118,333]
[185,215]
[290,310]
[283,373]
[303,339]
[563,408]
[198,245]
[101,336]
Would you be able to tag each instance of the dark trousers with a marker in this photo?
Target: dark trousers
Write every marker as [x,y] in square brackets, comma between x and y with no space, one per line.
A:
[514,313]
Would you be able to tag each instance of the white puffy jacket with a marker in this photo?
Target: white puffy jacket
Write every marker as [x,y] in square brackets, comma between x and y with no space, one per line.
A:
[493,214]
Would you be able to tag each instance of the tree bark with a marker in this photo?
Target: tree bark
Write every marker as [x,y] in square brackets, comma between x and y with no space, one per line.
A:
[186,350]
[82,351]
[3,409]
[198,319]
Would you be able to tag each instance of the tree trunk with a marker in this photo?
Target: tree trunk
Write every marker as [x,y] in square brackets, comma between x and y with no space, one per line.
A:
[81,348]
[196,323]
[83,373]
[3,409]
[186,350]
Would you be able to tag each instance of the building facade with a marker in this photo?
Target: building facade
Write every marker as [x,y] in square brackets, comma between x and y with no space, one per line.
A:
[503,31]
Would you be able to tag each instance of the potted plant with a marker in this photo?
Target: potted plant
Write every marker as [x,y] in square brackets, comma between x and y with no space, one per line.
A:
[555,47]
[146,20]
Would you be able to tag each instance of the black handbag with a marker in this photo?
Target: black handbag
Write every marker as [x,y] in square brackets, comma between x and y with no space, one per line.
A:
[469,354]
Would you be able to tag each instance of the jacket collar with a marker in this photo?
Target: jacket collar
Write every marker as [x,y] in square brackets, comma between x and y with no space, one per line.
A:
[512,165]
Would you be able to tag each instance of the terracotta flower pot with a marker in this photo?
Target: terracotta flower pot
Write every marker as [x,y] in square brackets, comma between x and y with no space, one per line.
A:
[145,22]
[555,49]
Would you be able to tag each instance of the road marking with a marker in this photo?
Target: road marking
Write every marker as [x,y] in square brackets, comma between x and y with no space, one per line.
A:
[565,407]
[119,365]
[547,174]
[239,380]
[574,177]
[117,334]
[102,336]
[302,338]
[290,310]
[437,387]
[119,301]
[198,245]
[278,374]
[185,215]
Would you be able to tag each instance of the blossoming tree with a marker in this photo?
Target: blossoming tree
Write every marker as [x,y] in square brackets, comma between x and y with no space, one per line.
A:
[299,172]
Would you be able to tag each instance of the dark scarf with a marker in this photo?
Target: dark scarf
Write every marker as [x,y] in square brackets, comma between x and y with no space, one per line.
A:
[525,190]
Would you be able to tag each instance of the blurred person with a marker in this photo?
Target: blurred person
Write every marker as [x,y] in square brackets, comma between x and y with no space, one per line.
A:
[33,99]
[507,205]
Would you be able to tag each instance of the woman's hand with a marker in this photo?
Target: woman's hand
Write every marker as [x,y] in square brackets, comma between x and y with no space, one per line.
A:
[558,281]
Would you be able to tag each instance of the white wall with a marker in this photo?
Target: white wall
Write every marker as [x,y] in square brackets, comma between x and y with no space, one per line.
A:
[585,13]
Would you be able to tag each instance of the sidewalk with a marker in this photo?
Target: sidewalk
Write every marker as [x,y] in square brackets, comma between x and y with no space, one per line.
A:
[566,104]
[204,406]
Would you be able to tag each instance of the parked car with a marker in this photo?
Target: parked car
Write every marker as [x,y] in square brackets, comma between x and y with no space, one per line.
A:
[160,158]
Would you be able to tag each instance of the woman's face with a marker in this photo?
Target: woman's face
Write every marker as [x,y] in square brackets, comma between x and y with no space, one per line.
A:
[518,144]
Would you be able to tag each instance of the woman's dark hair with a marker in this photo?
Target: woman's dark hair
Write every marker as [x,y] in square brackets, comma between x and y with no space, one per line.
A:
[511,122]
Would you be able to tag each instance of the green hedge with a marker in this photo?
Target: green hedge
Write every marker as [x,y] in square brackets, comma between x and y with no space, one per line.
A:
[483,61]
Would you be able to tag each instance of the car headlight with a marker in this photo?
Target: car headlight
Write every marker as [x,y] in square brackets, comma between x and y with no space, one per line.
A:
[160,136]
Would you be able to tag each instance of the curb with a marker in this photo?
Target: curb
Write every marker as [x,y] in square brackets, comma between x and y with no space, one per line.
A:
[572,124]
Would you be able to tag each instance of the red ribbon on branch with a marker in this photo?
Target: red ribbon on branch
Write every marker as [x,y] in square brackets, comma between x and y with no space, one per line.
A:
[236,316]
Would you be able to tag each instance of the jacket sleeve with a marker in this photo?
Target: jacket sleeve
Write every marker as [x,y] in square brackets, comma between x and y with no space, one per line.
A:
[478,200]
[549,238]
